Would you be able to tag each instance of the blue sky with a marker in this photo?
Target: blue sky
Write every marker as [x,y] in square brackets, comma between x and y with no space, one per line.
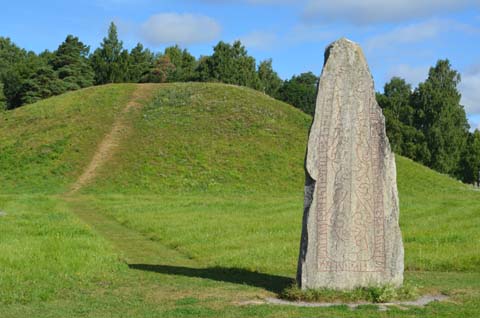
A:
[399,37]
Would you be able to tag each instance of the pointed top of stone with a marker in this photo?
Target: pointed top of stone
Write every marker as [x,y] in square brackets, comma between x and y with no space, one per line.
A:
[342,40]
[342,47]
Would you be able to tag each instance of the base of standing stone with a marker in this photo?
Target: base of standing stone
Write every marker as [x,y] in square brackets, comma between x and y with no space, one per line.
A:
[420,302]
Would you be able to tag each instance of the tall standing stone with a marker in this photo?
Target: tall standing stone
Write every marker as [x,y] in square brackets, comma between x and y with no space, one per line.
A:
[350,236]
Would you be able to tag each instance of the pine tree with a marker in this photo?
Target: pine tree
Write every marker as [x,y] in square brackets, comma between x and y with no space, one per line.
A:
[42,84]
[19,74]
[140,62]
[3,99]
[70,61]
[107,59]
[231,64]
[184,62]
[12,71]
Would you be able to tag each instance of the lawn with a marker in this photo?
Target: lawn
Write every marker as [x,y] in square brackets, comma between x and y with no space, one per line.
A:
[197,213]
[194,256]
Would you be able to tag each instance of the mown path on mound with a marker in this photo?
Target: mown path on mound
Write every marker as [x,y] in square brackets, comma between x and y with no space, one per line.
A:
[107,147]
[134,247]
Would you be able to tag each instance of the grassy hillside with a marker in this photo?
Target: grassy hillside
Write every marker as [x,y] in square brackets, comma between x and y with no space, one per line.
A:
[193,137]
[202,199]
[209,137]
[199,137]
[45,146]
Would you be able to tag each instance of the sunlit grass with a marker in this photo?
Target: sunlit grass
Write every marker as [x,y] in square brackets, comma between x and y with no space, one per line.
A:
[45,146]
[203,201]
[46,251]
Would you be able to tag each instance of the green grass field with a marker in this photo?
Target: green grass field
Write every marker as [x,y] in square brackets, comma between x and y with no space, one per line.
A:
[197,211]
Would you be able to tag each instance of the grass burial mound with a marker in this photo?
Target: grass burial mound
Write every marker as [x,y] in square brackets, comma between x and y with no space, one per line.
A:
[185,200]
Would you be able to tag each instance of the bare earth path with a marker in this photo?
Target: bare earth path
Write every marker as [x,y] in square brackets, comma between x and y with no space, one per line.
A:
[110,142]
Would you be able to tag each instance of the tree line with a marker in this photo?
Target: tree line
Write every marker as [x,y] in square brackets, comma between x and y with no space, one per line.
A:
[26,77]
[427,124]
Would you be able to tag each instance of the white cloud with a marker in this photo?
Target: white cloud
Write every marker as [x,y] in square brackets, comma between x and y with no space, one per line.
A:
[377,11]
[409,34]
[299,34]
[419,32]
[262,40]
[167,28]
[412,74]
[303,33]
[470,89]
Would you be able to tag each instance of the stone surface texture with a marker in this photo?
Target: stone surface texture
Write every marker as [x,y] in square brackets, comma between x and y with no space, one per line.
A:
[350,236]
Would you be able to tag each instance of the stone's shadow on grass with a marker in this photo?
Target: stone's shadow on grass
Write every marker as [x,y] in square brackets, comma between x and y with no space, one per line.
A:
[269,282]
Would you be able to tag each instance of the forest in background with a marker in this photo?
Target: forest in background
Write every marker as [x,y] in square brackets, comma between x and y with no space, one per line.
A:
[426,123]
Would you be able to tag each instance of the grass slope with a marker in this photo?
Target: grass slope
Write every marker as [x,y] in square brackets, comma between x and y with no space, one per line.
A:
[202,200]
[209,138]
[44,147]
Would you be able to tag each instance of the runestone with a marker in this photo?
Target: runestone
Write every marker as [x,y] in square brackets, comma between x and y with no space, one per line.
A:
[351,235]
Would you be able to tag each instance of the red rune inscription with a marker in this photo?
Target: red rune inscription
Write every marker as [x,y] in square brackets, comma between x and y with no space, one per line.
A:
[351,221]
